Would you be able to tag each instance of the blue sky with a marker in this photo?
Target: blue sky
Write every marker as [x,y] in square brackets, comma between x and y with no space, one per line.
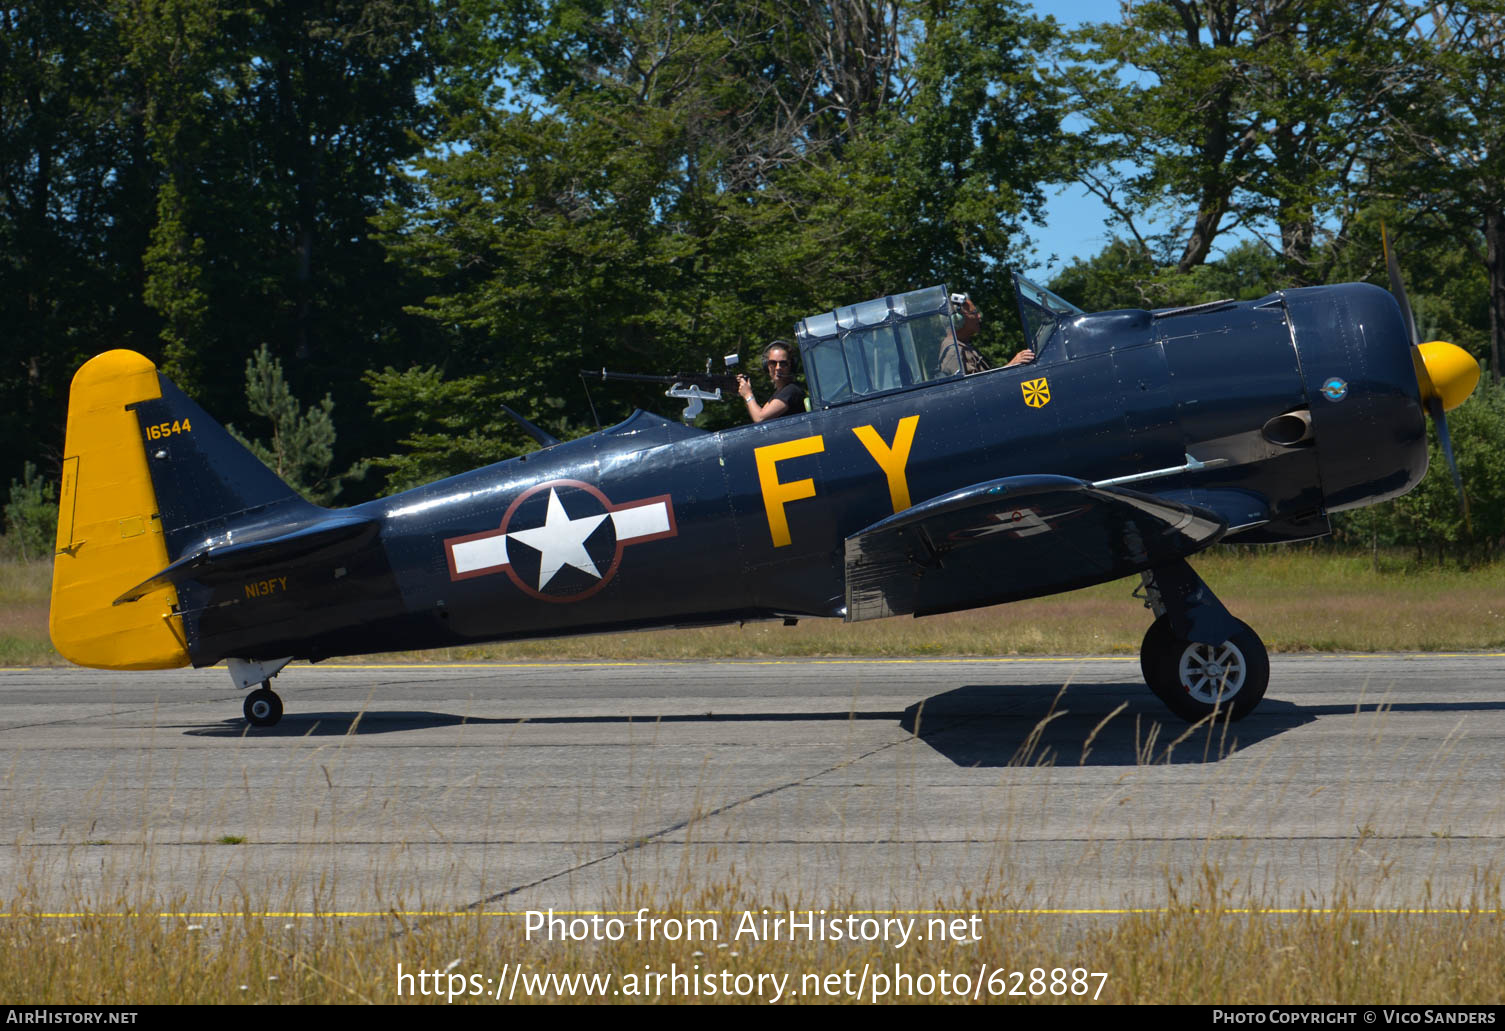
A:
[1073,226]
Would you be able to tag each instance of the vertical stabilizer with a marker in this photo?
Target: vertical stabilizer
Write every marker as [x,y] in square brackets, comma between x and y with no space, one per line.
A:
[206,482]
[109,533]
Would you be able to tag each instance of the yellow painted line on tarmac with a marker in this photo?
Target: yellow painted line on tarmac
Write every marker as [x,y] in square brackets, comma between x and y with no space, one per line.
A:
[566,663]
[799,661]
[579,913]
[855,661]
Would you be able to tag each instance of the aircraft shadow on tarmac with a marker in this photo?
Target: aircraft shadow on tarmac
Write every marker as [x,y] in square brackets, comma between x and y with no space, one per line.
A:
[992,725]
[976,725]
[340,724]
[1083,725]
[983,725]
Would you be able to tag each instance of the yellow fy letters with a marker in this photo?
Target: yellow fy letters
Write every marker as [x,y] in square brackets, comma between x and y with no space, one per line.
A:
[775,494]
[892,460]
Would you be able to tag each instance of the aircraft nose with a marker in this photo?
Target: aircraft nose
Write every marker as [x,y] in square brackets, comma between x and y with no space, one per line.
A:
[1445,372]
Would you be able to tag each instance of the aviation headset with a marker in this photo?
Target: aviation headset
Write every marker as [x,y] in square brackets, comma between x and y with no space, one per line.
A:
[782,345]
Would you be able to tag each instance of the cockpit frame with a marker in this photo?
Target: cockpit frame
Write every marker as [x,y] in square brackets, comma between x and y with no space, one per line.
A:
[904,341]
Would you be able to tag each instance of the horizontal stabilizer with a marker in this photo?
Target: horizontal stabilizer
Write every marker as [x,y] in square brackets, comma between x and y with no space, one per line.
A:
[219,562]
[1016,537]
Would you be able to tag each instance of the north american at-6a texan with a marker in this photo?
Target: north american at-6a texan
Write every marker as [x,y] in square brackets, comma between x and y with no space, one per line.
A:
[1135,440]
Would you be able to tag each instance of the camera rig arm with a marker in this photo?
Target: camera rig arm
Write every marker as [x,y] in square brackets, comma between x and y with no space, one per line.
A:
[694,388]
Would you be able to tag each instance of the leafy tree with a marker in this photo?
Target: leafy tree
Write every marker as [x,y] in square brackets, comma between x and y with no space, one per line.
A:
[74,212]
[175,54]
[692,178]
[1244,114]
[1122,276]
[301,449]
[31,515]
[274,134]
[453,425]
[1118,276]
[1449,158]
[190,178]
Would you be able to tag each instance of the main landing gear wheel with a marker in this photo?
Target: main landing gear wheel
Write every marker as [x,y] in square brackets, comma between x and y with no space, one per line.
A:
[1194,679]
[263,708]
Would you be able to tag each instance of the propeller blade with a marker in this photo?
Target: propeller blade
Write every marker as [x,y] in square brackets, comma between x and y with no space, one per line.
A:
[1457,373]
[1398,288]
[1423,377]
[1434,409]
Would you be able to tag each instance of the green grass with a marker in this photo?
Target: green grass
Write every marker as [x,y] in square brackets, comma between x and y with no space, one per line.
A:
[24,591]
[1298,598]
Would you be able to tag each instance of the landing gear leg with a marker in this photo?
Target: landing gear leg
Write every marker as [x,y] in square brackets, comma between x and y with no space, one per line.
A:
[263,708]
[1196,657]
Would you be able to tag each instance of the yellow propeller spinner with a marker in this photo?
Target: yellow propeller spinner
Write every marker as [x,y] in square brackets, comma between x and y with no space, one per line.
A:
[1445,372]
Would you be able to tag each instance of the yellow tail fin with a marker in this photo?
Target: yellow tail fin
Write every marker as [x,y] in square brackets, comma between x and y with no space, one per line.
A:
[109,534]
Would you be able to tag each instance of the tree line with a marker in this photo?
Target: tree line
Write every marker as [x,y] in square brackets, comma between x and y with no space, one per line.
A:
[407,213]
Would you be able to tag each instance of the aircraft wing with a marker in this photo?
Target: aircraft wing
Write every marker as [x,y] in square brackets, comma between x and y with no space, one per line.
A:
[1016,537]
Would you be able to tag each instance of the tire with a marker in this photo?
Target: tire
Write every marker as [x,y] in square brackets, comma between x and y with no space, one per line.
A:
[1195,680]
[263,708]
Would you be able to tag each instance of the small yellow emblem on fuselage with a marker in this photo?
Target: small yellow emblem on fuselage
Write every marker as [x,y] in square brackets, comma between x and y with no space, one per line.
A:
[1036,392]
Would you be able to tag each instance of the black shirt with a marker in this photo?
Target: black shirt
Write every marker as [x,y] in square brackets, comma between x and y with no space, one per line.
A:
[793,396]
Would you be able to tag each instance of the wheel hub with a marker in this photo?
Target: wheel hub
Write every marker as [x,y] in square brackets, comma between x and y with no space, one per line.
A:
[1212,673]
[1197,680]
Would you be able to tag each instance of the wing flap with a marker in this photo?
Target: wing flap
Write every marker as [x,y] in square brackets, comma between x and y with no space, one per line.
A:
[1012,538]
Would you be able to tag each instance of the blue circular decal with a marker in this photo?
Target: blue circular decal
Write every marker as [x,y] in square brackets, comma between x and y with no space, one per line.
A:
[1334,389]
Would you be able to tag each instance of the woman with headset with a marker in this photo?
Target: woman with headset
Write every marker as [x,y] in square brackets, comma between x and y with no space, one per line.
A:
[788,396]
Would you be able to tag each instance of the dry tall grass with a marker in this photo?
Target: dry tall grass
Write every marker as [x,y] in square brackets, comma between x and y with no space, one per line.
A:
[1202,948]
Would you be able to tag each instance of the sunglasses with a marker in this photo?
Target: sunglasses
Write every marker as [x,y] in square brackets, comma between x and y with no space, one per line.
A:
[772,362]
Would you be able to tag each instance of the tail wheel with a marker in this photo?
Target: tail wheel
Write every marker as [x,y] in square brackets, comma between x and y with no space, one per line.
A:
[1195,679]
[263,708]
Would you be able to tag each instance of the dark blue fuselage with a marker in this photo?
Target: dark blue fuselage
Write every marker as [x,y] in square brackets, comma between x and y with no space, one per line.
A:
[651,523]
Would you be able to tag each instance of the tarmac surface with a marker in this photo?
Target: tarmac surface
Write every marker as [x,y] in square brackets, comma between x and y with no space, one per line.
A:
[1043,783]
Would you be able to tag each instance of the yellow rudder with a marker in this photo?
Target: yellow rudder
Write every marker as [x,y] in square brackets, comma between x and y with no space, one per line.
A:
[109,535]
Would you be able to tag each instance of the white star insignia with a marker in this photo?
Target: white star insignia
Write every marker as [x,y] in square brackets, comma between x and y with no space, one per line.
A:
[560,541]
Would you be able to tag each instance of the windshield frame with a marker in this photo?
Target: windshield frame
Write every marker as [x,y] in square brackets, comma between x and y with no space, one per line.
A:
[878,347]
[1041,312]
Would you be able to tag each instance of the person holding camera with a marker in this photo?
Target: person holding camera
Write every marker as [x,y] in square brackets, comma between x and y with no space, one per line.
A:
[788,396]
